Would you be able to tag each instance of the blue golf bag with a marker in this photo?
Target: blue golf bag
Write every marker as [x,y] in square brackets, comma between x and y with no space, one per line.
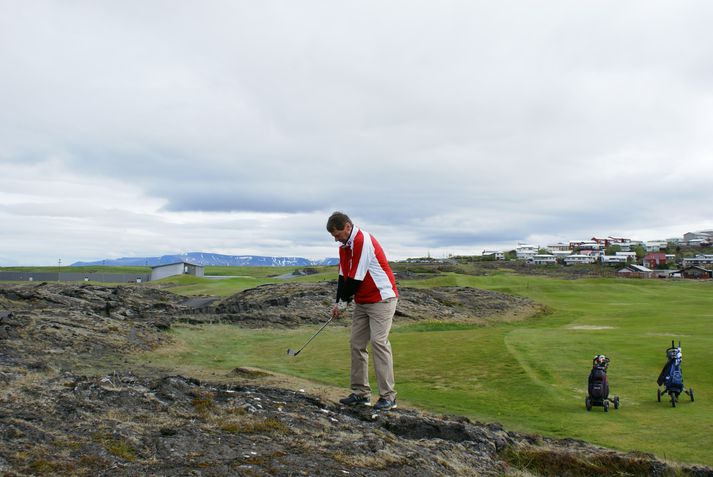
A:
[671,376]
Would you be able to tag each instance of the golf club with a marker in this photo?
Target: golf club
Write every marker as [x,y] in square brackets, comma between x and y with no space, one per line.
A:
[292,352]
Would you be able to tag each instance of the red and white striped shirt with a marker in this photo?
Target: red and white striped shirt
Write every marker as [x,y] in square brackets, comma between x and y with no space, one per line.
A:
[363,259]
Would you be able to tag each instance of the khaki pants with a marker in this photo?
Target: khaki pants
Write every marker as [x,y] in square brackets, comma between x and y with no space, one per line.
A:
[372,322]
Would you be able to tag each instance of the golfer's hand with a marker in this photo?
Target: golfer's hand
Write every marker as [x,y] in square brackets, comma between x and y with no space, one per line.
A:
[339,307]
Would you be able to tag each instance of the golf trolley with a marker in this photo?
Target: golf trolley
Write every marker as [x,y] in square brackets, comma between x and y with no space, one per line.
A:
[598,385]
[671,377]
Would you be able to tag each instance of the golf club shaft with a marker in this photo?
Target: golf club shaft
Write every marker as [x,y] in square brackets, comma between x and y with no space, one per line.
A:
[314,335]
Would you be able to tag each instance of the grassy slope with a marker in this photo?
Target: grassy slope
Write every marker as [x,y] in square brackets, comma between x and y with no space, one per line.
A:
[530,376]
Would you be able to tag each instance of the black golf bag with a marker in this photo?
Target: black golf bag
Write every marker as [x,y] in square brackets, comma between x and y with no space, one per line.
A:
[671,376]
[598,385]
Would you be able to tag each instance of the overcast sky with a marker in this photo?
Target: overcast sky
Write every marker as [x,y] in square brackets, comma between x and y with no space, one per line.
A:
[443,127]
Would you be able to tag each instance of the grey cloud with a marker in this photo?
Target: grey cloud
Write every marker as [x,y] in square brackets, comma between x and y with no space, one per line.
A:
[448,125]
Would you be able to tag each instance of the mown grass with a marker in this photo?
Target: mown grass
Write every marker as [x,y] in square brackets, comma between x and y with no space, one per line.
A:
[531,375]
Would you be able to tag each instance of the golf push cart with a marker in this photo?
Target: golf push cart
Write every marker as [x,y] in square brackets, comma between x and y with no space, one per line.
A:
[598,385]
[671,376]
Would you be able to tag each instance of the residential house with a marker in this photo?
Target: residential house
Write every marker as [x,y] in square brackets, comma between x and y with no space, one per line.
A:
[654,260]
[576,259]
[696,271]
[586,245]
[656,245]
[559,247]
[698,260]
[635,271]
[561,254]
[495,254]
[543,259]
[525,252]
[613,259]
[630,256]
[698,238]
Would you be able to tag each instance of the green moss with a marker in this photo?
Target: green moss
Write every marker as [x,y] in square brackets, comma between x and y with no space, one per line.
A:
[203,403]
[117,446]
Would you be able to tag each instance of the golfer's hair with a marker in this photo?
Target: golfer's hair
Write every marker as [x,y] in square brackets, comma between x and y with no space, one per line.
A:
[337,221]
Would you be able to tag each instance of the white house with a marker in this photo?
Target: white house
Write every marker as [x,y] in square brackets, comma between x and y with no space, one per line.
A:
[561,254]
[697,260]
[525,252]
[559,247]
[585,245]
[578,259]
[496,254]
[655,245]
[543,259]
[629,255]
[180,268]
[611,259]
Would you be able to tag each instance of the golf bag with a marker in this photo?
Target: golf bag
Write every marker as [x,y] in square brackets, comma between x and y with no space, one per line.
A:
[671,376]
[598,385]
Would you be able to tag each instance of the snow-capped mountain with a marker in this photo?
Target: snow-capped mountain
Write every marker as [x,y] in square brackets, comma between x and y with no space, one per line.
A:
[213,259]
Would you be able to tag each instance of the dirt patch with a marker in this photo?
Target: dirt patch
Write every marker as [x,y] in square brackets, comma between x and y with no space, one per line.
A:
[589,327]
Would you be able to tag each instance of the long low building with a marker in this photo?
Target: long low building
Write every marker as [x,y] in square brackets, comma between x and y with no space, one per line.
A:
[179,268]
[158,272]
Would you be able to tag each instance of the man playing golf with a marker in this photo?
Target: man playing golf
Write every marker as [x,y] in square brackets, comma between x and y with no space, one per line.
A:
[365,277]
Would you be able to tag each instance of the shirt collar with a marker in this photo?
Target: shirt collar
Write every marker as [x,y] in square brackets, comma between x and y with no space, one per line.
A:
[350,240]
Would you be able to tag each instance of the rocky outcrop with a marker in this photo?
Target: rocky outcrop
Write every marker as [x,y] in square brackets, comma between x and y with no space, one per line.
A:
[71,405]
[294,304]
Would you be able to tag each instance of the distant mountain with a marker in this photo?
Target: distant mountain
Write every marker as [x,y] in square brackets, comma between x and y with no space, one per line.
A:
[214,259]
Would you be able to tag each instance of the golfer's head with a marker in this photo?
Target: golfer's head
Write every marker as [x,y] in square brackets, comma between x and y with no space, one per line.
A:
[339,225]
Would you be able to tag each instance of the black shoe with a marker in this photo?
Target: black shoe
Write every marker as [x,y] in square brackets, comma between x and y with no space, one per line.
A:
[354,399]
[385,404]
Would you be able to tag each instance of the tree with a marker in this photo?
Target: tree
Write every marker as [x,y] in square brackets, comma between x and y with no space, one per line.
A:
[612,249]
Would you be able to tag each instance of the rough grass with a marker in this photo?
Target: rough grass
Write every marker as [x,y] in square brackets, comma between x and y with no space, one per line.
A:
[561,463]
[530,376]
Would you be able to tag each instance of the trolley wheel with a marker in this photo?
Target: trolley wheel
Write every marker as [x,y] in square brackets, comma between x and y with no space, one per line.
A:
[588,403]
[606,406]
[673,399]
[690,393]
[616,402]
[658,394]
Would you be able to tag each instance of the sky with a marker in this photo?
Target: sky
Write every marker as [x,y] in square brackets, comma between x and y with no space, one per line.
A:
[132,129]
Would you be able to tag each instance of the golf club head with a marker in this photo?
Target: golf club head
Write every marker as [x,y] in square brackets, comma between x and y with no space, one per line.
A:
[292,352]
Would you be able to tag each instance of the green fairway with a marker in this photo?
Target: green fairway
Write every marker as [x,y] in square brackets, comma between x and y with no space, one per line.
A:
[531,376]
